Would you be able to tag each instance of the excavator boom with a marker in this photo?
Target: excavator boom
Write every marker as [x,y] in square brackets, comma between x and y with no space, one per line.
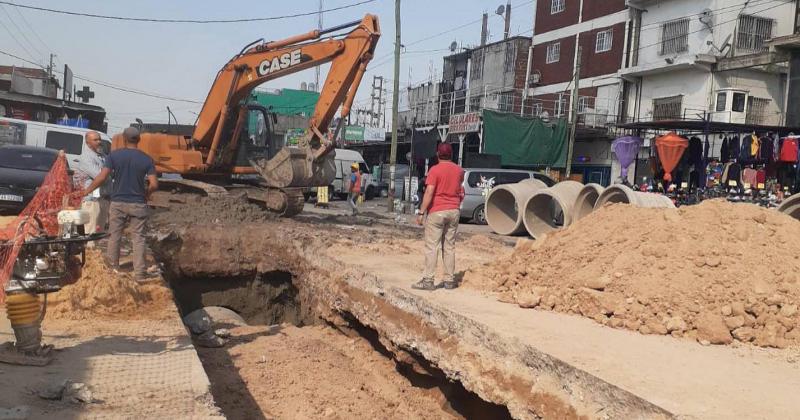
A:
[214,143]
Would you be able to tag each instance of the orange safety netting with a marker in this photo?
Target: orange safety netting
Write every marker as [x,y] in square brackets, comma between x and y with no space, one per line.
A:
[39,216]
[670,149]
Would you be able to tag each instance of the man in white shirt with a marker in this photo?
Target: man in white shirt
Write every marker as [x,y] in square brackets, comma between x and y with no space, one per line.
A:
[87,168]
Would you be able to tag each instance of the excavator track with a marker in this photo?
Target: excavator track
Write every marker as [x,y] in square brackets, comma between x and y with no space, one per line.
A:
[285,202]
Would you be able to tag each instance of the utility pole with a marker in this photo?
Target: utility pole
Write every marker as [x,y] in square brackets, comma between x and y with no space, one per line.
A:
[316,71]
[395,100]
[573,129]
[49,75]
[376,100]
[508,20]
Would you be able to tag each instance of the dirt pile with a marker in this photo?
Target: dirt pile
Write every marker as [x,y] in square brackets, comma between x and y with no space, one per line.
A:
[183,208]
[716,272]
[101,292]
[312,372]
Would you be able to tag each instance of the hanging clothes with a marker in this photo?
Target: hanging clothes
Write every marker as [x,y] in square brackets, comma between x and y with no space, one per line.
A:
[750,176]
[724,152]
[755,145]
[744,150]
[789,150]
[732,172]
[670,150]
[766,152]
[705,150]
[695,152]
[733,147]
[761,176]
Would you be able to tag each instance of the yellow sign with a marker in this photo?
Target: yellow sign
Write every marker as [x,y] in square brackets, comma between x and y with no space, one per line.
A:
[684,185]
[760,185]
[746,186]
[731,183]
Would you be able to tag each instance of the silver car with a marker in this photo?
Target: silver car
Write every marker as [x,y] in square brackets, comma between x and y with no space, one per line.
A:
[478,182]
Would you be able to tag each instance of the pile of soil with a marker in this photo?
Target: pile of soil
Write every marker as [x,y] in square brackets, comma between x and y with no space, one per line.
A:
[312,372]
[101,292]
[716,272]
[183,208]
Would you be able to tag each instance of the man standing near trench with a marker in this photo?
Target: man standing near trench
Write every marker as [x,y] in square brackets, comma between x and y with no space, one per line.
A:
[128,168]
[444,192]
[88,167]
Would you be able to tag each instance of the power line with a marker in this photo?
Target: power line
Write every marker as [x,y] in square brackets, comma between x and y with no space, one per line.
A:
[201,21]
[21,45]
[108,85]
[21,32]
[33,31]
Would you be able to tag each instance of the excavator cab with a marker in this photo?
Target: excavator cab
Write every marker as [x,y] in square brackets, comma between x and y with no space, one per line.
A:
[257,140]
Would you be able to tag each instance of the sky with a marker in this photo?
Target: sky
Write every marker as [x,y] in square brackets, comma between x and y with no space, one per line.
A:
[181,60]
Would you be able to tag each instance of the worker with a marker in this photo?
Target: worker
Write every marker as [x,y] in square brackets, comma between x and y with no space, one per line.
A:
[440,213]
[354,189]
[87,168]
[128,168]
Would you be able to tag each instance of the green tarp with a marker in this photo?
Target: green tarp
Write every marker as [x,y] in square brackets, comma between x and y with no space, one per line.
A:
[525,141]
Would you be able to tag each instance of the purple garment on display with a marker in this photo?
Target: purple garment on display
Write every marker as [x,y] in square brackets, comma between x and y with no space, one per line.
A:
[626,148]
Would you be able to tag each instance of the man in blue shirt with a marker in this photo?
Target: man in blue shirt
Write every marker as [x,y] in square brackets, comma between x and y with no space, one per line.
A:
[128,168]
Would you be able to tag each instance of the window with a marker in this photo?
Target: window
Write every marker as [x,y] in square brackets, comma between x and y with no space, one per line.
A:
[667,108]
[751,33]
[560,106]
[603,41]
[474,103]
[511,49]
[738,101]
[12,133]
[476,70]
[557,6]
[722,99]
[536,109]
[583,103]
[511,177]
[675,36]
[70,143]
[756,110]
[553,52]
[39,160]
[506,102]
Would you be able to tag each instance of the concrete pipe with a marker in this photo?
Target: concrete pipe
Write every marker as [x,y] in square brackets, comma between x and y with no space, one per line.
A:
[791,206]
[623,194]
[503,204]
[584,204]
[550,209]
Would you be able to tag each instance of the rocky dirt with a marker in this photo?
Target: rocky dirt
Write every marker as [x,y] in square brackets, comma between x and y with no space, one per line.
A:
[716,272]
[313,372]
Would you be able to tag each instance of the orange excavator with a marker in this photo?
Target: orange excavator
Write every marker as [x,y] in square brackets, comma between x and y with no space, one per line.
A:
[221,148]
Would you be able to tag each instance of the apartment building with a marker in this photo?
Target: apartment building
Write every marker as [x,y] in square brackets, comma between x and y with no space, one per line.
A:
[497,74]
[600,28]
[708,59]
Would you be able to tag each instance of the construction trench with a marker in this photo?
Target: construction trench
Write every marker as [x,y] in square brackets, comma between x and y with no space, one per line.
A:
[324,323]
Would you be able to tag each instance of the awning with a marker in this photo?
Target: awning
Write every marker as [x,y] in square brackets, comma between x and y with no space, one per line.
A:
[51,102]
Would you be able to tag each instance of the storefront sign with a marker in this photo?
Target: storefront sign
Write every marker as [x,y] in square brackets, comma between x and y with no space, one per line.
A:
[465,123]
[359,134]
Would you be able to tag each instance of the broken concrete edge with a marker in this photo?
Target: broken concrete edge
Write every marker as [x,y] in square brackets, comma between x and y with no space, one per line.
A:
[530,383]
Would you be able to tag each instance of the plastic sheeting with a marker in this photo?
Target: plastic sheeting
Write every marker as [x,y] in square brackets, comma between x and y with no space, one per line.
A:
[626,149]
[525,141]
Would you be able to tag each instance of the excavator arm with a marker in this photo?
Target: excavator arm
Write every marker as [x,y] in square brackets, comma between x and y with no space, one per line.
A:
[220,121]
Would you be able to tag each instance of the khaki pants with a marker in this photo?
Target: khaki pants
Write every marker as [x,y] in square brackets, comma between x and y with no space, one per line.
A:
[98,215]
[120,215]
[440,232]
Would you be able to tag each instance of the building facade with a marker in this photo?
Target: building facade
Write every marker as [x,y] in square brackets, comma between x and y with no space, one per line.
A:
[708,58]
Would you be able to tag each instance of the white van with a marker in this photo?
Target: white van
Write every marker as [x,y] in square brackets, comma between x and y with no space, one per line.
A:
[51,136]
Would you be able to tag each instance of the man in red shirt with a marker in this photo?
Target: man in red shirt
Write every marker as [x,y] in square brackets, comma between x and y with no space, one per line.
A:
[444,192]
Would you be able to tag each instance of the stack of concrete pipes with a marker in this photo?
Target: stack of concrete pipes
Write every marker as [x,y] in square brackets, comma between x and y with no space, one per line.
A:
[531,206]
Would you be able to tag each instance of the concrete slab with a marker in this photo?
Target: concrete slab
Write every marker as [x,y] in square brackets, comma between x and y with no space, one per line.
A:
[604,373]
[135,369]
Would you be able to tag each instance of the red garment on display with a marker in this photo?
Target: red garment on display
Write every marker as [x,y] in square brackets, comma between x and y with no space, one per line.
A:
[789,150]
[670,149]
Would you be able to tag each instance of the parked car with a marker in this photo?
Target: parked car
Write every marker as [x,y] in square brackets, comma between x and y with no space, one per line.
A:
[22,171]
[52,136]
[477,181]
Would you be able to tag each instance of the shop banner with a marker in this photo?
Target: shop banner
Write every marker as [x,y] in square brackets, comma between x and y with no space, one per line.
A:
[293,136]
[465,123]
[525,141]
[374,134]
[354,134]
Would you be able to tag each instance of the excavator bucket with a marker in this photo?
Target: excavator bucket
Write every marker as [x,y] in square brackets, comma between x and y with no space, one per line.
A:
[296,167]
